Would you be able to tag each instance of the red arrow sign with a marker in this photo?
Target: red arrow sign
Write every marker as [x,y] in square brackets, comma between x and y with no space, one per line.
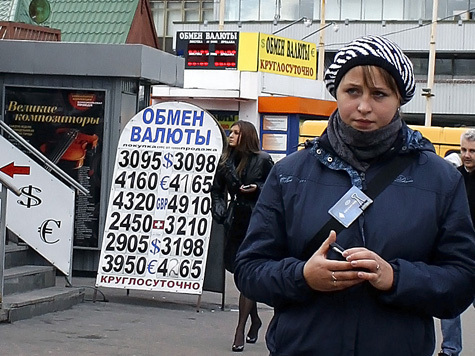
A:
[10,169]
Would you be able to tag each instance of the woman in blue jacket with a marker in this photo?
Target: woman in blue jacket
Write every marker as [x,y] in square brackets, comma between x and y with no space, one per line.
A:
[407,256]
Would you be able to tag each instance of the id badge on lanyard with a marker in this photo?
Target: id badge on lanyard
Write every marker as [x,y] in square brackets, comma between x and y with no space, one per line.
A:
[350,206]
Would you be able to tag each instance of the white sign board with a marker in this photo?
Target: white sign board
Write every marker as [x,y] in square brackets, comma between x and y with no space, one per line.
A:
[274,142]
[275,123]
[43,215]
[158,220]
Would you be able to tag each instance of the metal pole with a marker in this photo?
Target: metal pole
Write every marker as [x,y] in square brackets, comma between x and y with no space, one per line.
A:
[431,70]
[3,227]
[321,43]
[288,25]
[3,234]
[320,29]
[222,7]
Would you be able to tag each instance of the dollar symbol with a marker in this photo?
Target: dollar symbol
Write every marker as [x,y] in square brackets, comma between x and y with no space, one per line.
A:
[156,248]
[168,158]
[32,200]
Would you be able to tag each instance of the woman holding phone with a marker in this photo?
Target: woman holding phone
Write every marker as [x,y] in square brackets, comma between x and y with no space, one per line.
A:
[240,176]
[402,258]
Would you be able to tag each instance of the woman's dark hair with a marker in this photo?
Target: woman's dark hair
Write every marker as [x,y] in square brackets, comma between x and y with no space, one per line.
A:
[369,75]
[248,144]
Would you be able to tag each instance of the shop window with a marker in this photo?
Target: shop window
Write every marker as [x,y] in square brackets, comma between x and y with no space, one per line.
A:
[289,10]
[306,8]
[351,9]
[444,66]
[372,9]
[464,67]
[174,14]
[158,17]
[266,10]
[192,11]
[249,10]
[207,7]
[393,10]
[414,10]
[421,65]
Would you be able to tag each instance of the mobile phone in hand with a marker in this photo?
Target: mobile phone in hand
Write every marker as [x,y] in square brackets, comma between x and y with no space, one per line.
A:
[337,248]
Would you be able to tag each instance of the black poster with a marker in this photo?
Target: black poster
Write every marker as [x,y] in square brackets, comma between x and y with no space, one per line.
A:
[66,125]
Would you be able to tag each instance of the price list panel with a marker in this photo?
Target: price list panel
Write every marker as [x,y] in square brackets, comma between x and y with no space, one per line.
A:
[159,217]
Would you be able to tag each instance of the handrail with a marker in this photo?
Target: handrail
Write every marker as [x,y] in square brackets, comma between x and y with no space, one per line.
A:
[42,158]
[9,186]
[3,228]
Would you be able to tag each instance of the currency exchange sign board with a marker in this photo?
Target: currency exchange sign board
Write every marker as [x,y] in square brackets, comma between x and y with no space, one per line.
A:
[43,215]
[158,220]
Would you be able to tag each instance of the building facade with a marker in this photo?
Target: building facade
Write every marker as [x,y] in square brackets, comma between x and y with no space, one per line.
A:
[407,22]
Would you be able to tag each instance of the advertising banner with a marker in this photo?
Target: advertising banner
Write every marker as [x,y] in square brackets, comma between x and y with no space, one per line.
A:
[287,56]
[158,221]
[66,125]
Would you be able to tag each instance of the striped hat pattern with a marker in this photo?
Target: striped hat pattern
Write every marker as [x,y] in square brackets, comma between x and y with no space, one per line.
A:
[377,51]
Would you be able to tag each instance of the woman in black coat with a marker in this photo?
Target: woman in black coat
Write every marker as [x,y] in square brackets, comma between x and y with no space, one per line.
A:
[241,173]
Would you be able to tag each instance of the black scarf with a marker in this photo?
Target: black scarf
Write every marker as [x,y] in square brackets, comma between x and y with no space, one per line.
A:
[359,148]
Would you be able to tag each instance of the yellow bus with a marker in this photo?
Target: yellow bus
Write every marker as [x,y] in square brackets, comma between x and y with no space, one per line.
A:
[445,139]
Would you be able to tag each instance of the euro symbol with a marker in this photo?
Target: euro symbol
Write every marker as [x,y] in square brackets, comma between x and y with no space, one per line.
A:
[164,183]
[151,265]
[45,230]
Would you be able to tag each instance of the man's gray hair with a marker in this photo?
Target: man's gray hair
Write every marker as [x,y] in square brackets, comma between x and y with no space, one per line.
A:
[468,135]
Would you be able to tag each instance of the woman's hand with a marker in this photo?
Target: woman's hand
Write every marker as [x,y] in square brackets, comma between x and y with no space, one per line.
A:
[376,270]
[250,188]
[326,275]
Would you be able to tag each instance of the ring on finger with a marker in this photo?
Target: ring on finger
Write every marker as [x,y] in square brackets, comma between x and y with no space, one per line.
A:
[377,267]
[334,278]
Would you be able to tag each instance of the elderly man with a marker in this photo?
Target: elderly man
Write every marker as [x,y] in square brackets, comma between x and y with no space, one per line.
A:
[452,328]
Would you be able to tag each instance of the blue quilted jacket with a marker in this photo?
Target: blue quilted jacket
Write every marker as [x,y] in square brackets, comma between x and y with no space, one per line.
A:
[420,224]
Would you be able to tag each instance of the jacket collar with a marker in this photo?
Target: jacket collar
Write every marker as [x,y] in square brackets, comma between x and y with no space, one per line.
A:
[410,142]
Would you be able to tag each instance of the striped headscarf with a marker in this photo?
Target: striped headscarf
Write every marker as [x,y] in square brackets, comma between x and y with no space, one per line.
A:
[377,51]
